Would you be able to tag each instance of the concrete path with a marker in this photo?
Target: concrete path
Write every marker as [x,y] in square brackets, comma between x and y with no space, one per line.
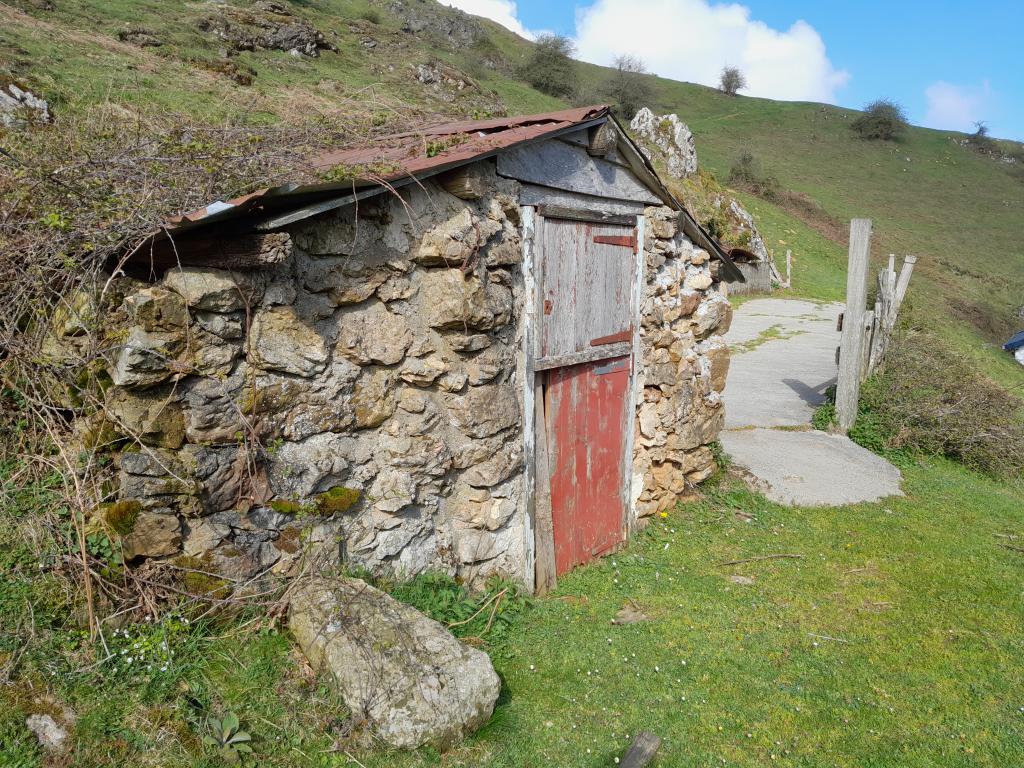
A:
[783,361]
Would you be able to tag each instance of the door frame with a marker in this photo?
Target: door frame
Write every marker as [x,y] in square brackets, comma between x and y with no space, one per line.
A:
[539,568]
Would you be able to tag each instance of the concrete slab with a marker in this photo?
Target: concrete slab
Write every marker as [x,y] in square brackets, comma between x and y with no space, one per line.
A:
[784,358]
[812,468]
[780,381]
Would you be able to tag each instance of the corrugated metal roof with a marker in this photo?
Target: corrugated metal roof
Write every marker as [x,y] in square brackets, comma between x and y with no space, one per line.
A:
[405,158]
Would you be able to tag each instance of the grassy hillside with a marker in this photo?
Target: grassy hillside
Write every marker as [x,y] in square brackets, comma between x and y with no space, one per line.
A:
[958,210]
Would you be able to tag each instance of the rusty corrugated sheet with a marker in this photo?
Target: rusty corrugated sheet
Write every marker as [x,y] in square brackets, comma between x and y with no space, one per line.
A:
[416,152]
[412,155]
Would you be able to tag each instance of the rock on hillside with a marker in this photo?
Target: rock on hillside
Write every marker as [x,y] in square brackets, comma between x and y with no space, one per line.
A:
[667,140]
[414,682]
[671,137]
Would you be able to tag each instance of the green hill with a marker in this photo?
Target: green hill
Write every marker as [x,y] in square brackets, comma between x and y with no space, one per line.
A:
[929,195]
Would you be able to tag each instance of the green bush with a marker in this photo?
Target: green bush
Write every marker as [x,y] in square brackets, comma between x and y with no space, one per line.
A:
[550,69]
[882,119]
[931,400]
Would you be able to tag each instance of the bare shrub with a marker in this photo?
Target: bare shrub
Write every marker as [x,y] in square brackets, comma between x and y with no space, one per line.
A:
[629,86]
[746,174]
[550,68]
[932,400]
[882,119]
[731,81]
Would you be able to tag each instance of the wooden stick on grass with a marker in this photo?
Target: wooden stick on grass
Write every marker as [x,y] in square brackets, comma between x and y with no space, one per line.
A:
[761,557]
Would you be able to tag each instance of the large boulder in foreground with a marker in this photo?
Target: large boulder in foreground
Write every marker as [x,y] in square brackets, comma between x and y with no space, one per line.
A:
[414,682]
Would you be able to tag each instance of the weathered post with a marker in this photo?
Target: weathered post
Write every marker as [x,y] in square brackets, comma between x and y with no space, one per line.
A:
[851,345]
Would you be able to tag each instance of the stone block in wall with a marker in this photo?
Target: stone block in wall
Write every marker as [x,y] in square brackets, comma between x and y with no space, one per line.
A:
[204,288]
[154,416]
[373,397]
[505,248]
[698,278]
[456,241]
[229,327]
[713,315]
[484,411]
[300,470]
[345,280]
[225,475]
[371,334]
[210,355]
[156,309]
[715,353]
[157,479]
[295,409]
[156,533]
[392,491]
[212,413]
[147,358]
[280,341]
[422,372]
[455,301]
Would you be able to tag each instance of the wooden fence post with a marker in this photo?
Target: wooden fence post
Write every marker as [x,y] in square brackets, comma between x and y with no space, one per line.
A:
[851,348]
[891,292]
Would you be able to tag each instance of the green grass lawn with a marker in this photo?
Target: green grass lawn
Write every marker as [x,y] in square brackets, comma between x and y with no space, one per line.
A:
[895,640]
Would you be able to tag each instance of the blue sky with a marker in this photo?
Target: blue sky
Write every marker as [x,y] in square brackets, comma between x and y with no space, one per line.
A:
[948,63]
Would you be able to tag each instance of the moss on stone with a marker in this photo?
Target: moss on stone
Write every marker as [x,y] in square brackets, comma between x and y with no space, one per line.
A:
[121,516]
[337,500]
[287,507]
[196,577]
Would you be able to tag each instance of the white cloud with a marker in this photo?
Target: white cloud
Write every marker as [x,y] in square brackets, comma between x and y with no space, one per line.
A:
[504,12]
[692,40]
[956,107]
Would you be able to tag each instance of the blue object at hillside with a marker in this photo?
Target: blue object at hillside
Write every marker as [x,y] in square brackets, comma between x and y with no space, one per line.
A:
[1015,343]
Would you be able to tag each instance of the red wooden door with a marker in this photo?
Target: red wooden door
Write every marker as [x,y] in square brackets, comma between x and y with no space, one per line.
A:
[586,413]
[586,281]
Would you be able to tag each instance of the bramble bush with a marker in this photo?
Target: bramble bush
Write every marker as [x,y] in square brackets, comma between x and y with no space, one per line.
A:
[928,399]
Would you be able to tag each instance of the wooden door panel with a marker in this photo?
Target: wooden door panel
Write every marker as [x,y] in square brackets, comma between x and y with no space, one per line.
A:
[585,407]
[586,284]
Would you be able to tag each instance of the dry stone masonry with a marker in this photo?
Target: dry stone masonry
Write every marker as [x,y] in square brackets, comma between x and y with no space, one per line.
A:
[364,397]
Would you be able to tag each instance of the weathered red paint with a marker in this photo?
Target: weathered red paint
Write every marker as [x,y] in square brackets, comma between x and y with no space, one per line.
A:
[613,338]
[585,407]
[626,241]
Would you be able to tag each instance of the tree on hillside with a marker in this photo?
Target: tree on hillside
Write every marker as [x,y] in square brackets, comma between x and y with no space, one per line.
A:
[732,81]
[882,119]
[628,87]
[550,68]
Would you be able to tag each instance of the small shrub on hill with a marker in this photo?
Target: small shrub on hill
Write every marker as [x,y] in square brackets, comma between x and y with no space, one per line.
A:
[882,119]
[732,81]
[746,174]
[550,68]
[628,88]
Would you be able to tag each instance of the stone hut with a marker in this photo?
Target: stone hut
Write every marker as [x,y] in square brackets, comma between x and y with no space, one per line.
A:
[484,348]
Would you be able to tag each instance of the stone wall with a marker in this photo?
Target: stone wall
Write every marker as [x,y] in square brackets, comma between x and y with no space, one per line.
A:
[684,362]
[366,394]
[366,391]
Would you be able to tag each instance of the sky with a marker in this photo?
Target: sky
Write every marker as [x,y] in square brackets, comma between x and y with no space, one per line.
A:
[949,64]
